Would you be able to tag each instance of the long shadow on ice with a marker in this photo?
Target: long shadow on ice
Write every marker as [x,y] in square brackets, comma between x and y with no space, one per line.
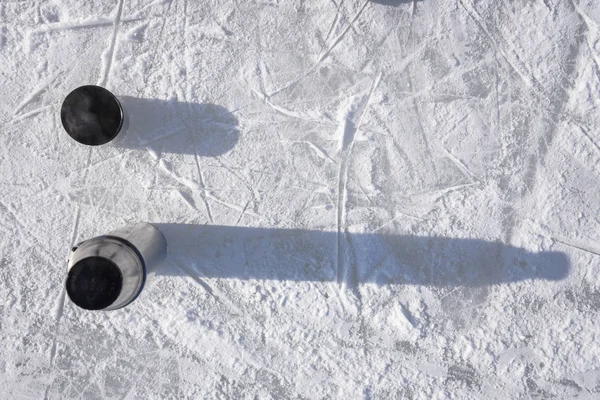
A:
[169,126]
[304,255]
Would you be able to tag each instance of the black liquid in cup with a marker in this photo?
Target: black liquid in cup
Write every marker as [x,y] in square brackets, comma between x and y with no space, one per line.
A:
[92,115]
[94,283]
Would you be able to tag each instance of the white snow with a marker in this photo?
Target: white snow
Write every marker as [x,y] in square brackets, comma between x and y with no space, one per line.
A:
[363,199]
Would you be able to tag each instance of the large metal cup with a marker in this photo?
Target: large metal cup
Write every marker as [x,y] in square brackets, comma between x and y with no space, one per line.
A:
[109,271]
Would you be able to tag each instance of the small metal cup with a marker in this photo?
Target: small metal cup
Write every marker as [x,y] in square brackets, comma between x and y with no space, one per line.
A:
[92,115]
[109,271]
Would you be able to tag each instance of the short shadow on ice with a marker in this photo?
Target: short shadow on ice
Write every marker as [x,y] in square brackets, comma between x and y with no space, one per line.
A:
[169,126]
[304,255]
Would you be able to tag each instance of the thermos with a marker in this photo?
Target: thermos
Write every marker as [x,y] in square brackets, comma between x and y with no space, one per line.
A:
[108,272]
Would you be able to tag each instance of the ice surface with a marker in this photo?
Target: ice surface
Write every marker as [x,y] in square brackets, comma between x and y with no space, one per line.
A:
[363,199]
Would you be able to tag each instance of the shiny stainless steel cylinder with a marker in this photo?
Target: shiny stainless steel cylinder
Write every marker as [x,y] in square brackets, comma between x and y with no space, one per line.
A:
[109,271]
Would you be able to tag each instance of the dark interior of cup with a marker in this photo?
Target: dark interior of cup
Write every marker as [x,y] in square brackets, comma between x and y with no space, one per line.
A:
[94,283]
[91,115]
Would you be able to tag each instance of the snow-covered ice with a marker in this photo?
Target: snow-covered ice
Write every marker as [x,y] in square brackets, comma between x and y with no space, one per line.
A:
[363,199]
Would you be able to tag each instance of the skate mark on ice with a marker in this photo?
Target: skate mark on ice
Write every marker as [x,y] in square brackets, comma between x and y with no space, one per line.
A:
[396,3]
[242,213]
[593,28]
[91,165]
[198,280]
[321,58]
[214,292]
[578,245]
[415,102]
[552,101]
[195,187]
[338,39]
[551,107]
[513,59]
[115,201]
[318,150]
[29,114]
[396,218]
[187,200]
[58,313]
[60,304]
[472,12]
[109,54]
[239,173]
[333,24]
[337,6]
[350,124]
[88,23]
[36,93]
[160,40]
[50,83]
[290,113]
[461,166]
[75,227]
[589,138]
[86,169]
[204,190]
[439,193]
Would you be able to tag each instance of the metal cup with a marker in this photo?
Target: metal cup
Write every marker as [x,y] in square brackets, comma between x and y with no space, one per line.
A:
[92,115]
[109,271]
